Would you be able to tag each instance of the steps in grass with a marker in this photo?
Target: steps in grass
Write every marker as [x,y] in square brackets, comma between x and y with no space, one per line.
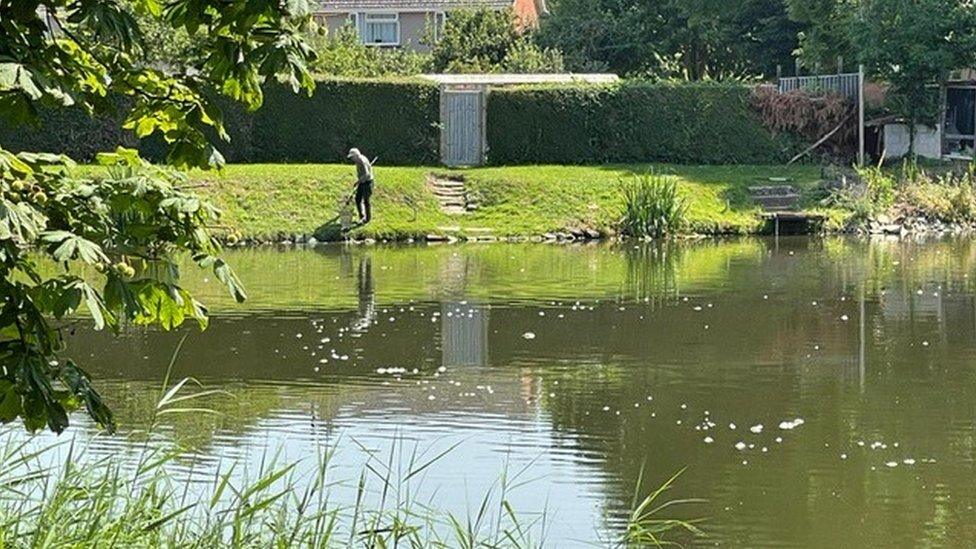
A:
[775,198]
[451,194]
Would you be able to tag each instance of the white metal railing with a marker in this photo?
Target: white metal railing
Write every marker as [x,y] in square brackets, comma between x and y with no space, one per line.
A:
[847,84]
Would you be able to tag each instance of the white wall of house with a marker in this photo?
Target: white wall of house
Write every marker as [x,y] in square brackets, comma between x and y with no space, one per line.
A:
[928,141]
[412,26]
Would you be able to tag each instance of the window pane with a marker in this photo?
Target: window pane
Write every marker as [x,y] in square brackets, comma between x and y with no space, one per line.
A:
[960,111]
[379,33]
[958,147]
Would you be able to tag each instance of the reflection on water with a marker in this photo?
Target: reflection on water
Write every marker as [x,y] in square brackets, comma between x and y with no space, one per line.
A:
[684,355]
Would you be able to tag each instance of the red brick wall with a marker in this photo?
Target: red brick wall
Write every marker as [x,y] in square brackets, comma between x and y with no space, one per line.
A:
[526,12]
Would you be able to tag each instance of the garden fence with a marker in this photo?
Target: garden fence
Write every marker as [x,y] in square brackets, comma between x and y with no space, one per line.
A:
[850,85]
[847,84]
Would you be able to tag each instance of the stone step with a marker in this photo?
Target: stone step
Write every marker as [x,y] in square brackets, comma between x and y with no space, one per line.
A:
[451,194]
[771,203]
[447,183]
[448,193]
[771,190]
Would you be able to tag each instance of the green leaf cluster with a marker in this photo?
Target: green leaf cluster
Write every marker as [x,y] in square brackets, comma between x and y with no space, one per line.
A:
[343,54]
[686,39]
[65,53]
[128,226]
[909,45]
[131,222]
[486,40]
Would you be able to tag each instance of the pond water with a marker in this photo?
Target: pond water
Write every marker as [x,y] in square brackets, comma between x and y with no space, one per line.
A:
[580,365]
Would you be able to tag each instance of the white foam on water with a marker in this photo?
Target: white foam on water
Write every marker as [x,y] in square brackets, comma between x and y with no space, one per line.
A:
[788,425]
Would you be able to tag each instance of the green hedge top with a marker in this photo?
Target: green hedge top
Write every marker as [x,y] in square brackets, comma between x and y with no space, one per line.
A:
[628,122]
[399,121]
[395,120]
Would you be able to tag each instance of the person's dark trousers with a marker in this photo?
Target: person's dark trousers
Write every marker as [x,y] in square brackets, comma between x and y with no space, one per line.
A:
[363,191]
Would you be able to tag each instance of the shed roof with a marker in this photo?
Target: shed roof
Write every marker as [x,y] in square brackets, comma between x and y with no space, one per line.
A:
[963,75]
[421,5]
[506,79]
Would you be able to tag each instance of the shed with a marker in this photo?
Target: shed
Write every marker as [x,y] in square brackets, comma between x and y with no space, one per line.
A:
[463,109]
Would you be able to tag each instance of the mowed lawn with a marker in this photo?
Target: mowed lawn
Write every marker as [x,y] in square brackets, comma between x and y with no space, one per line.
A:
[268,199]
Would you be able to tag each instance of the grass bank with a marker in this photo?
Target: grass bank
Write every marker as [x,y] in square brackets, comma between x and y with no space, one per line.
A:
[264,200]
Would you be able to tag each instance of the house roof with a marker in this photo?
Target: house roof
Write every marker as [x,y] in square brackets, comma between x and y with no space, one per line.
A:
[422,5]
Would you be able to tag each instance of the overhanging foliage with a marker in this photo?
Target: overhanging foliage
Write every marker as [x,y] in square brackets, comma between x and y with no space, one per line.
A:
[130,223]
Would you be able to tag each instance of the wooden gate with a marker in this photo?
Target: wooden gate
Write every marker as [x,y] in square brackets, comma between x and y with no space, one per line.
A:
[463,127]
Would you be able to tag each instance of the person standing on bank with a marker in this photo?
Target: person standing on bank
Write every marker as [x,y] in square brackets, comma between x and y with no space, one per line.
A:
[364,184]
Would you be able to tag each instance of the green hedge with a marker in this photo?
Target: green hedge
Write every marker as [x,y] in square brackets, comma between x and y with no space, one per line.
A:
[397,121]
[631,122]
[68,130]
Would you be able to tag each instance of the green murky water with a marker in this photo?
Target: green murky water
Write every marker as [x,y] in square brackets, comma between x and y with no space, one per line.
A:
[585,363]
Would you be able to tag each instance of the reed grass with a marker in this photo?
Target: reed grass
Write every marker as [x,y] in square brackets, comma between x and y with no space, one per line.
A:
[653,207]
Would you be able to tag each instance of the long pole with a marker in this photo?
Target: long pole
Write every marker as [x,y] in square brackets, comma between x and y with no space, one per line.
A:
[860,115]
[861,366]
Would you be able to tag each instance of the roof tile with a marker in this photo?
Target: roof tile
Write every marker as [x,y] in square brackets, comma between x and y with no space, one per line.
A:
[420,5]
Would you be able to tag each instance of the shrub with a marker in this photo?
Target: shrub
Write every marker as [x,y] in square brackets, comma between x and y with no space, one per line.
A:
[630,122]
[526,56]
[946,197]
[396,120]
[910,191]
[652,206]
[342,54]
[809,116]
[70,131]
[487,40]
[873,193]
[879,186]
[475,40]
